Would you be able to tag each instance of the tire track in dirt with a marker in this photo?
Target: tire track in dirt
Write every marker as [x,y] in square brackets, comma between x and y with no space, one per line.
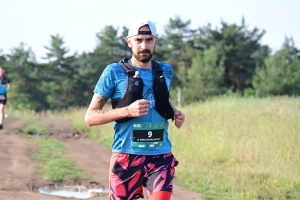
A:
[17,172]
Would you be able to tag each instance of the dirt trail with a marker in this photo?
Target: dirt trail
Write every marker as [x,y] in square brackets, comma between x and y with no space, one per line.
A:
[17,172]
[19,177]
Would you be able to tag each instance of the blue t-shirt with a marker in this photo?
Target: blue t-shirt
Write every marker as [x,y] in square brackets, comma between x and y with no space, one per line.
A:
[112,84]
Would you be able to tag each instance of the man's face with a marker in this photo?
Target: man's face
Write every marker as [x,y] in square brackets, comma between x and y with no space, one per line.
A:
[142,46]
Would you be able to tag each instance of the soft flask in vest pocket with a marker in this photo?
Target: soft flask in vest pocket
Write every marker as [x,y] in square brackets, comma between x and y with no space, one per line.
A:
[134,91]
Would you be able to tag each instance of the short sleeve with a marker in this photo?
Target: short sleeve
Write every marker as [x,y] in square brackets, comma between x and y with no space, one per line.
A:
[168,72]
[106,83]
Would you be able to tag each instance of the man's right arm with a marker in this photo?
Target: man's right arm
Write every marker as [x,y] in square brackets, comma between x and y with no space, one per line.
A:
[95,115]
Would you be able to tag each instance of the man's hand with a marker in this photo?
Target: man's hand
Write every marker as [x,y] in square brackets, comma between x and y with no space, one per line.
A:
[179,118]
[138,108]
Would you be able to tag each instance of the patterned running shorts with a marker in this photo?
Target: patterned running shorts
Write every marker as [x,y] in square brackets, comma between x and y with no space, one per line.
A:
[130,173]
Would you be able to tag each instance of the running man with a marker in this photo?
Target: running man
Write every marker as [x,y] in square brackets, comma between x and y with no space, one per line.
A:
[4,87]
[141,151]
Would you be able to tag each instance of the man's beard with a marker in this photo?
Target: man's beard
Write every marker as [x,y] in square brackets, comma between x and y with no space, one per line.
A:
[143,59]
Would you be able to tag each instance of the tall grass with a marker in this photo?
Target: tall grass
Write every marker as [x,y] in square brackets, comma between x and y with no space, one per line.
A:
[238,148]
[231,147]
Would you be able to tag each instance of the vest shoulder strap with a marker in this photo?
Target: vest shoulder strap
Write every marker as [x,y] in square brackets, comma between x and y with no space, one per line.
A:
[156,69]
[126,66]
[155,65]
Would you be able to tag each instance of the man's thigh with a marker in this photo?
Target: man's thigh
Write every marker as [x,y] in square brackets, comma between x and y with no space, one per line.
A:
[160,173]
[129,173]
[126,176]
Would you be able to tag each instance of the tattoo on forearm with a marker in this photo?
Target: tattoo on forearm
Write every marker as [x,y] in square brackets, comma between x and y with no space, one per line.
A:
[102,101]
[101,112]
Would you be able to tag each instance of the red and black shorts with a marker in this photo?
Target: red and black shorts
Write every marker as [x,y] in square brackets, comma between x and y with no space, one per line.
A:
[130,173]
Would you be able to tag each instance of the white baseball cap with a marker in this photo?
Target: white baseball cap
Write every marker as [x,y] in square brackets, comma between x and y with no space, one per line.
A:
[136,25]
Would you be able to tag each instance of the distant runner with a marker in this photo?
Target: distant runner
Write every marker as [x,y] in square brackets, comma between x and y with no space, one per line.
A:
[4,87]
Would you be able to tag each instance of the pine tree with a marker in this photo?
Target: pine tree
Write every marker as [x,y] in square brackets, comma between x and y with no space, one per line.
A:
[242,52]
[21,69]
[205,77]
[59,75]
[280,74]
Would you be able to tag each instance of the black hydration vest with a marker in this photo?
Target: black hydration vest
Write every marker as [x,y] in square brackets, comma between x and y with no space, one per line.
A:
[134,90]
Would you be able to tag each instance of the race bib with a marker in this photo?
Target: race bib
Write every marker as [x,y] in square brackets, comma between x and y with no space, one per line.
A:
[148,134]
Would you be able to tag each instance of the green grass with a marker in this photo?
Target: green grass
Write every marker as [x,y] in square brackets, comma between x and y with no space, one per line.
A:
[236,148]
[34,128]
[32,124]
[51,160]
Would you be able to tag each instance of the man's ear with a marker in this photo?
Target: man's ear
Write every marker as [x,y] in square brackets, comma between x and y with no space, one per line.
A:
[128,42]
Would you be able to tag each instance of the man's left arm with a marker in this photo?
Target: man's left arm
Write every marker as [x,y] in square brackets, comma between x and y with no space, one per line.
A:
[179,117]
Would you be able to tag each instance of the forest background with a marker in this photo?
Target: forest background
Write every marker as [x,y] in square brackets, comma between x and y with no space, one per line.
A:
[207,62]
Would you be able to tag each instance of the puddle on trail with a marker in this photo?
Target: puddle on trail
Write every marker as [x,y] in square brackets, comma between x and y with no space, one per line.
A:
[36,136]
[79,192]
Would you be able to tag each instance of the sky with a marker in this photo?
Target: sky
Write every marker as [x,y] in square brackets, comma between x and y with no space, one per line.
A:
[32,22]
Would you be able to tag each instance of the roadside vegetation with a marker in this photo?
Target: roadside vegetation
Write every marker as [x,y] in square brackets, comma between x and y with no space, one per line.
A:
[230,147]
[240,148]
